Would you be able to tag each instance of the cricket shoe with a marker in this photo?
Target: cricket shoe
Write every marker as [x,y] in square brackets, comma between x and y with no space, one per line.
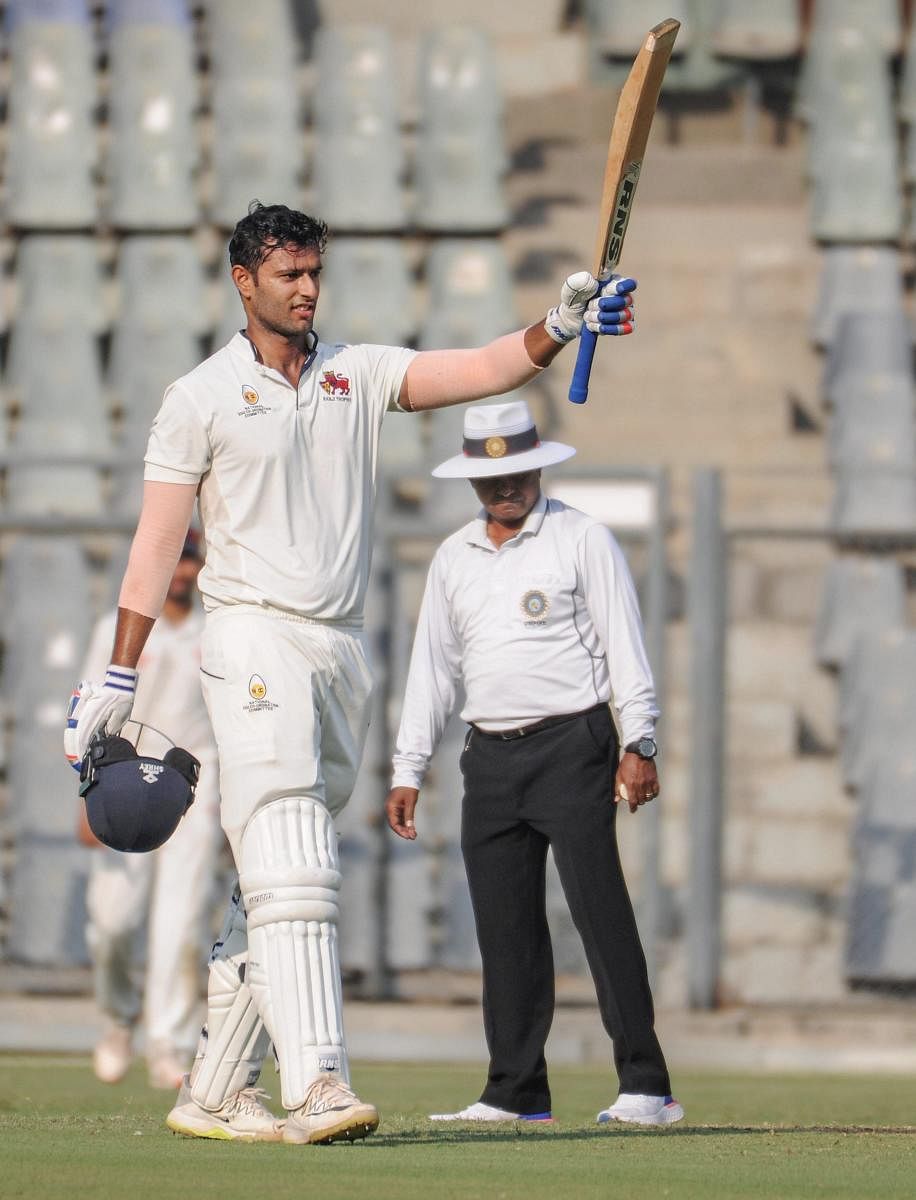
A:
[113,1053]
[486,1112]
[642,1110]
[243,1117]
[331,1112]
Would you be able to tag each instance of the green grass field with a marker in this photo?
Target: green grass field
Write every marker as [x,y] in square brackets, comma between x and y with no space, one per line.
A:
[62,1134]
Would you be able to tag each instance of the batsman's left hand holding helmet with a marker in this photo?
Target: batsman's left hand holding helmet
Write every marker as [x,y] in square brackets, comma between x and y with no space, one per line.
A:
[98,708]
[134,802]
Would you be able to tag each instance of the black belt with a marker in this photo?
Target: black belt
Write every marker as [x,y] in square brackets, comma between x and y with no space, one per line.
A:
[508,735]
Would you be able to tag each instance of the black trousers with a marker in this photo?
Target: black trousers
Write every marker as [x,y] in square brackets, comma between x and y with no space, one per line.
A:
[552,788]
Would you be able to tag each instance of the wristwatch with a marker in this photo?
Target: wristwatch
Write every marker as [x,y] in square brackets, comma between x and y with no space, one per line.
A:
[645,747]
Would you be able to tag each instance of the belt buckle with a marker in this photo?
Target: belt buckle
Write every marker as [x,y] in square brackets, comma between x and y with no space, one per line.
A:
[510,735]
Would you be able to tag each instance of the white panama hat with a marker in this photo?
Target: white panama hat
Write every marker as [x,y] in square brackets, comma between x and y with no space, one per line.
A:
[501,439]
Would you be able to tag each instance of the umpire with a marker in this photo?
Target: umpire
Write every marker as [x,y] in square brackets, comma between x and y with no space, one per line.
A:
[532,607]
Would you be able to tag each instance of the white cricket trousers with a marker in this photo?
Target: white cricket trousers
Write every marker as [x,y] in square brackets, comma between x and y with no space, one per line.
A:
[172,890]
[289,704]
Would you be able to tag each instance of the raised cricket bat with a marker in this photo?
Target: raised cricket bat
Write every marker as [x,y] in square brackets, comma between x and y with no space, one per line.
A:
[626,149]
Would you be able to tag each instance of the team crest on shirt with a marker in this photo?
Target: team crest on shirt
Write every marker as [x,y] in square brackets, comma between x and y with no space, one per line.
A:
[253,406]
[535,607]
[257,690]
[334,386]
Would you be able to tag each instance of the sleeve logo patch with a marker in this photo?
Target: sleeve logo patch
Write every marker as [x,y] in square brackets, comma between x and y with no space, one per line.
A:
[257,690]
[335,386]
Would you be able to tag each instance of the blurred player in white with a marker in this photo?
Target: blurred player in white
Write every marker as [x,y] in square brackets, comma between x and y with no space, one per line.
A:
[278,433]
[170,890]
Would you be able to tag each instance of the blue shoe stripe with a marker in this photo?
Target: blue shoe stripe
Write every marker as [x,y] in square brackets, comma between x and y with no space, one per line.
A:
[542,1116]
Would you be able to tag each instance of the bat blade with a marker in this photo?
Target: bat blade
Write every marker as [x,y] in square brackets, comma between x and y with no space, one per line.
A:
[626,150]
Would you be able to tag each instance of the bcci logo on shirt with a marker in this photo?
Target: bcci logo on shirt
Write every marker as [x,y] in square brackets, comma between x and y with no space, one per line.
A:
[257,690]
[535,607]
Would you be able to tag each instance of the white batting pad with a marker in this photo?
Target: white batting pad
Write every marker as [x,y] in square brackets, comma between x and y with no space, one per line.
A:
[289,876]
[234,1041]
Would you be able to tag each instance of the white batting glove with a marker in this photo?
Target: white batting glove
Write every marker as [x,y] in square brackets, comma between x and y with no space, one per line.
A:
[564,323]
[96,707]
[611,310]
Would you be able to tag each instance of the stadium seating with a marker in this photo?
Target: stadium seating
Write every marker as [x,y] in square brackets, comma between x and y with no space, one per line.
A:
[758,32]
[849,273]
[618,30]
[860,593]
[845,17]
[59,280]
[357,162]
[873,423]
[153,149]
[258,144]
[367,292]
[52,151]
[473,289]
[873,506]
[460,156]
[876,342]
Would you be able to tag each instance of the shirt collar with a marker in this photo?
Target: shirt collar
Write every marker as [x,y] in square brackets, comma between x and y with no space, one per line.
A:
[242,345]
[477,534]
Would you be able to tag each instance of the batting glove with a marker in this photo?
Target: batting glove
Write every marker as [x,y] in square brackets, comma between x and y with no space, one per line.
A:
[611,311]
[564,323]
[98,707]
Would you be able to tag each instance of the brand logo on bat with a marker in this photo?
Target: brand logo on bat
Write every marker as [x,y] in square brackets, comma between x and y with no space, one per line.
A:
[334,385]
[622,212]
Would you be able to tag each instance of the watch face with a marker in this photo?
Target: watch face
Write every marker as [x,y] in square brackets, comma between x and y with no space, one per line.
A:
[646,748]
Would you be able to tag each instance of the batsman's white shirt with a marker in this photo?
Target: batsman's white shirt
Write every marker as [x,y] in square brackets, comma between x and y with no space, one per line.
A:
[287,474]
[547,624]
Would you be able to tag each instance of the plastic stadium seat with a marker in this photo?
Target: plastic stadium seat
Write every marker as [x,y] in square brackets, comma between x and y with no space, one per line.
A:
[860,593]
[161,283]
[873,343]
[358,272]
[61,490]
[758,30]
[618,30]
[906,98]
[853,278]
[880,948]
[47,895]
[357,157]
[879,18]
[874,506]
[143,364]
[873,423]
[153,97]
[59,280]
[258,147]
[52,150]
[253,40]
[460,152]
[876,694]
[61,411]
[231,313]
[472,286]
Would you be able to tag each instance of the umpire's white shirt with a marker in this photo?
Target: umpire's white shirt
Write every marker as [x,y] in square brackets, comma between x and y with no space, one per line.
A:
[287,475]
[547,624]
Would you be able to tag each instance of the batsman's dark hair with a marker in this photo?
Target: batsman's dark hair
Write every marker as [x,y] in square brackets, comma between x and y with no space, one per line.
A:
[270,225]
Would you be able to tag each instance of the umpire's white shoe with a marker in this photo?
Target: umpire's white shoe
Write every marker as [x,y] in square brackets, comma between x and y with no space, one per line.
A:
[243,1117]
[486,1112]
[331,1112]
[642,1110]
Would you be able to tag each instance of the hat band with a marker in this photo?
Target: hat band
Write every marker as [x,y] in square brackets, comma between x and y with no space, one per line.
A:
[497,446]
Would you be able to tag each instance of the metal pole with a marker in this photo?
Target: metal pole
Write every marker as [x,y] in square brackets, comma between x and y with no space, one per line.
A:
[707,614]
[656,613]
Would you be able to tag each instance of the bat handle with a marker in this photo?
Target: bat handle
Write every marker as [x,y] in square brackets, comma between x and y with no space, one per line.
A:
[578,388]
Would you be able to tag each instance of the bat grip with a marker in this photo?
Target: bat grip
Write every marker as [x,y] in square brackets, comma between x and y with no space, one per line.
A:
[578,388]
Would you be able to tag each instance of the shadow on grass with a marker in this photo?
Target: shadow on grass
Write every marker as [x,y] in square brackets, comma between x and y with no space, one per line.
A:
[476,1135]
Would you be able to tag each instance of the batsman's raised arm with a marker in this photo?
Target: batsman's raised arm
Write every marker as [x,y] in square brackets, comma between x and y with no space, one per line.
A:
[438,378]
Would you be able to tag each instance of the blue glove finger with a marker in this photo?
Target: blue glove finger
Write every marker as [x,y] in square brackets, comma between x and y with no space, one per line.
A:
[619,286]
[616,330]
[609,304]
[618,318]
